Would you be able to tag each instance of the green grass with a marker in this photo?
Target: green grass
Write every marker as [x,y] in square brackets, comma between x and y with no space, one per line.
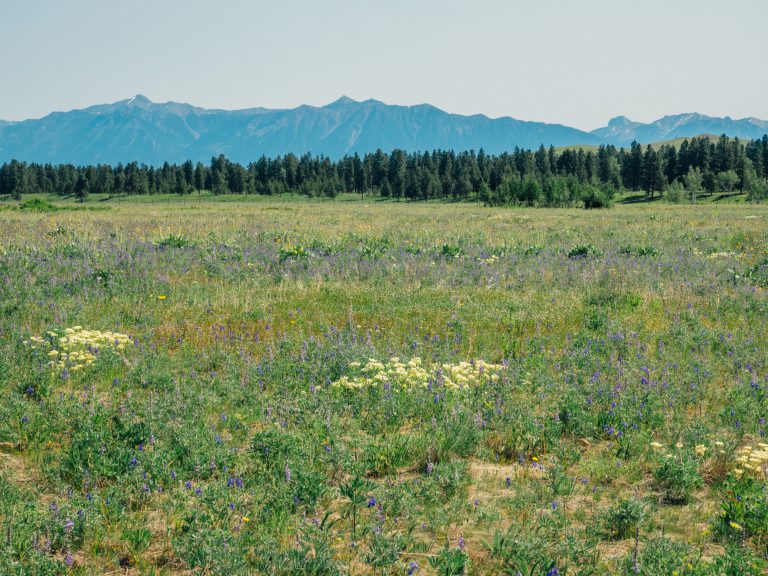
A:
[218,444]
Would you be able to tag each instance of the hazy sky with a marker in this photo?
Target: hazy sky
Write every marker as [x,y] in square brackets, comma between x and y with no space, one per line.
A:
[573,62]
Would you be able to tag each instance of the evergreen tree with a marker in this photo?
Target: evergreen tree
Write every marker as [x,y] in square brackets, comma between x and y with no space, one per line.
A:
[653,174]
[82,188]
[633,174]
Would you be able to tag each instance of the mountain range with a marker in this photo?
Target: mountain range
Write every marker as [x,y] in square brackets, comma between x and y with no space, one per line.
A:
[137,129]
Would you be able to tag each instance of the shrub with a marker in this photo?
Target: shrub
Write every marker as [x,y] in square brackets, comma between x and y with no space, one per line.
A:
[743,512]
[631,250]
[175,241]
[676,193]
[450,251]
[39,205]
[676,478]
[582,251]
[449,562]
[659,556]
[622,520]
[598,196]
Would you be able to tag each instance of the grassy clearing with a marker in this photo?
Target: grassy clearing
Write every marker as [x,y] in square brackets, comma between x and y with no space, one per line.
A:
[633,345]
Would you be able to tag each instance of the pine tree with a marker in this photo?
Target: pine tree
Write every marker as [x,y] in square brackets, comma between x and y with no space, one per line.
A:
[633,176]
[82,188]
[653,174]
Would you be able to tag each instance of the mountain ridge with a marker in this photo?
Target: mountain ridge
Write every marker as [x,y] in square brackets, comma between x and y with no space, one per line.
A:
[138,129]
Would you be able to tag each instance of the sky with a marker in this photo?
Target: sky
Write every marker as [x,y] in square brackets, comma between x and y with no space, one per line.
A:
[573,62]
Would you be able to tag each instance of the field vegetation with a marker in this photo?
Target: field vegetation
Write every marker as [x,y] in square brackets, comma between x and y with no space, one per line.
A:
[305,387]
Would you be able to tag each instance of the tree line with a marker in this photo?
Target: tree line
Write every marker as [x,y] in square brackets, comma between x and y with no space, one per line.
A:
[544,177]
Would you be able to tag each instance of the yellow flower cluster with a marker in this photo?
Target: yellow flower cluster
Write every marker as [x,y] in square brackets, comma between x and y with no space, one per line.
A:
[291,251]
[490,260]
[700,450]
[412,374]
[76,348]
[752,460]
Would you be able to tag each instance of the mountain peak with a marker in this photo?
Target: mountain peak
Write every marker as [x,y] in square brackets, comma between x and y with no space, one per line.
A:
[139,101]
[619,121]
[343,101]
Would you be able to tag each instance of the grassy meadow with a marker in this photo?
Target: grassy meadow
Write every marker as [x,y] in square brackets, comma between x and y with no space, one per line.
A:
[308,387]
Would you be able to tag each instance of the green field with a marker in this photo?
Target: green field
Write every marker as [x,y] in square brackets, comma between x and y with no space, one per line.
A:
[362,387]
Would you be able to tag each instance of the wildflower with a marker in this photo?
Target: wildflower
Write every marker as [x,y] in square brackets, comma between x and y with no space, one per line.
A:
[163,297]
[371,502]
[413,567]
[700,449]
[735,526]
[246,519]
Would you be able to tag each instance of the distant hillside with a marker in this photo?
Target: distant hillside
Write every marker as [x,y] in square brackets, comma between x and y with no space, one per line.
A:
[138,129]
[622,131]
[676,142]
